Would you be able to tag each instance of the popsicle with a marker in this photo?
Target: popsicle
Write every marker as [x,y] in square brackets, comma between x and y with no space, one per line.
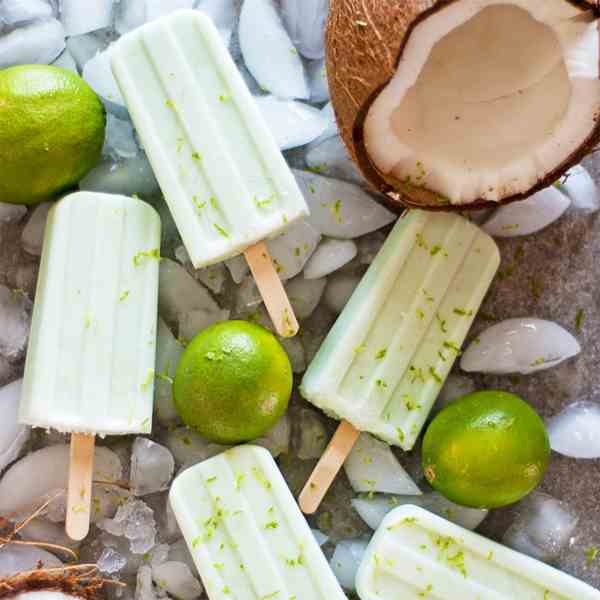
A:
[416,554]
[90,361]
[245,532]
[219,168]
[387,356]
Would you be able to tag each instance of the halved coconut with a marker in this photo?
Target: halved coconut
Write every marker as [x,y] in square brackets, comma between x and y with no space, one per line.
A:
[464,103]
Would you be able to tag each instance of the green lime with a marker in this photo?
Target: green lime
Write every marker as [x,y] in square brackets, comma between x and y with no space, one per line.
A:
[486,450]
[51,132]
[233,382]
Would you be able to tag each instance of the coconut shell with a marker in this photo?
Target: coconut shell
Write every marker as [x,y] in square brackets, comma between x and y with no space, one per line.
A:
[69,582]
[364,42]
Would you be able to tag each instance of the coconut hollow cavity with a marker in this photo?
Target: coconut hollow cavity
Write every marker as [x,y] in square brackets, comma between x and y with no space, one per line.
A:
[486,102]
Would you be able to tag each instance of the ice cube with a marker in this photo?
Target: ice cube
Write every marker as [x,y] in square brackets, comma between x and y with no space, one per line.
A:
[574,431]
[144,590]
[369,246]
[223,13]
[340,287]
[38,43]
[374,507]
[310,436]
[247,295]
[317,81]
[184,301]
[15,559]
[10,213]
[292,123]
[135,521]
[52,533]
[305,21]
[32,479]
[177,580]
[13,12]
[330,157]
[13,434]
[295,352]
[543,528]
[160,8]
[456,386]
[371,466]
[340,209]
[293,248]
[128,177]
[329,256]
[523,345]
[86,46]
[168,353]
[32,237]
[345,561]
[277,439]
[582,189]
[130,14]
[110,561]
[66,61]
[119,141]
[528,216]
[237,267]
[320,537]
[82,17]
[332,128]
[268,51]
[15,320]
[152,467]
[304,294]
[188,448]
[98,73]
[213,276]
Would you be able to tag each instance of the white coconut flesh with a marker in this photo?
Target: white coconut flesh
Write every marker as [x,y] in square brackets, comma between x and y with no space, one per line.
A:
[488,98]
[44,595]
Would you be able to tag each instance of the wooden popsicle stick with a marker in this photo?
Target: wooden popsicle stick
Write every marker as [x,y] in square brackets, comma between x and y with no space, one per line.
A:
[328,467]
[271,289]
[80,485]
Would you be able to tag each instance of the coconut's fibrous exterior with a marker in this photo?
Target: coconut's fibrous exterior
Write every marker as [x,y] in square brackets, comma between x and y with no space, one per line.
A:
[365,40]
[71,582]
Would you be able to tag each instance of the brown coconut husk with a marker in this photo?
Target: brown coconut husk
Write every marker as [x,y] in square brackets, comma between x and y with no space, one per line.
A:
[364,43]
[80,581]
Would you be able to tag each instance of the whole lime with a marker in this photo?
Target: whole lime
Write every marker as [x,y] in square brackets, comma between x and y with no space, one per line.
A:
[486,450]
[51,132]
[233,382]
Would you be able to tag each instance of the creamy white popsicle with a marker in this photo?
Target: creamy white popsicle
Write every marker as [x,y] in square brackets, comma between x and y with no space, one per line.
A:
[387,356]
[90,361]
[226,183]
[385,360]
[245,532]
[416,554]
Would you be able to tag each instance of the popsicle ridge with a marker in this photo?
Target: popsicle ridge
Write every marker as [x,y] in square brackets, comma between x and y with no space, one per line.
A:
[417,554]
[214,157]
[399,335]
[246,533]
[97,290]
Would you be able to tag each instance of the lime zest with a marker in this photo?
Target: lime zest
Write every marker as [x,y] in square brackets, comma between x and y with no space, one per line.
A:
[142,254]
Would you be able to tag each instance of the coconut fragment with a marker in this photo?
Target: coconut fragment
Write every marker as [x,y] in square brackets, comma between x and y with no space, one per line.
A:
[482,102]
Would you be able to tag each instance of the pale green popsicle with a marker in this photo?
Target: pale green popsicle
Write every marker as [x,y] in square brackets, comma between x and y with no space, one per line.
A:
[387,356]
[219,168]
[245,532]
[415,554]
[90,360]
